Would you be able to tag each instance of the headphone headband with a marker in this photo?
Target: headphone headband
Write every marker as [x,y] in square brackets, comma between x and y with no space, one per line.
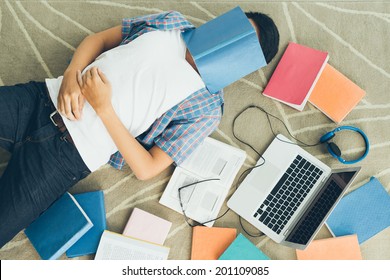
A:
[335,151]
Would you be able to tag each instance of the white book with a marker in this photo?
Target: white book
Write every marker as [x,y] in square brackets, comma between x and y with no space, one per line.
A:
[115,246]
[211,160]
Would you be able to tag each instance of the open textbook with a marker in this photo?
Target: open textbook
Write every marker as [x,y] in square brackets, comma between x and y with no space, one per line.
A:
[211,160]
[114,246]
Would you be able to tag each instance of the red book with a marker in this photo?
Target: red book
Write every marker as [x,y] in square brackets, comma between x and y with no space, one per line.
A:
[296,75]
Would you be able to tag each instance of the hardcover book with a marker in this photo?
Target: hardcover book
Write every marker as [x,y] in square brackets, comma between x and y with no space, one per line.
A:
[93,205]
[58,228]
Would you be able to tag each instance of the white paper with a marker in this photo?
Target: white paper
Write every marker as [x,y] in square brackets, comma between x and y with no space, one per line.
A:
[211,160]
[113,246]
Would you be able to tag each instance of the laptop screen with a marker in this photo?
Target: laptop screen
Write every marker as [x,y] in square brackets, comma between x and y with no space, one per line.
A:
[320,207]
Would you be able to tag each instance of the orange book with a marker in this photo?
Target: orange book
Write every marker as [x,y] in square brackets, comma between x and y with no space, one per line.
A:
[335,248]
[208,243]
[335,95]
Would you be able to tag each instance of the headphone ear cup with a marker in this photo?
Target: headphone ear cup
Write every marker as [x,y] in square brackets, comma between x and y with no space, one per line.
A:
[327,136]
[334,150]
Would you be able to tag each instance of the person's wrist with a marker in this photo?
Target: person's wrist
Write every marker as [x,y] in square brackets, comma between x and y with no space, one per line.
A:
[104,111]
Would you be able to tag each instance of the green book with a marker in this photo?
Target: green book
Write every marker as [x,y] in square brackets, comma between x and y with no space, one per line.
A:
[242,249]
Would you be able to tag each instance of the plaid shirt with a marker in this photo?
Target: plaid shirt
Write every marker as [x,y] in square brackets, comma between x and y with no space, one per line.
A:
[182,128]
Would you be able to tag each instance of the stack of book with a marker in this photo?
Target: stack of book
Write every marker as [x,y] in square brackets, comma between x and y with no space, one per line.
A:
[72,224]
[303,74]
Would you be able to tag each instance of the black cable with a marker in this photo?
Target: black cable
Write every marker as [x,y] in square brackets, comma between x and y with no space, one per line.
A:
[268,115]
[302,144]
[240,179]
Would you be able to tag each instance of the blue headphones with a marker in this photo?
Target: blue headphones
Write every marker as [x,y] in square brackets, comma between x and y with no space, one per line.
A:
[334,150]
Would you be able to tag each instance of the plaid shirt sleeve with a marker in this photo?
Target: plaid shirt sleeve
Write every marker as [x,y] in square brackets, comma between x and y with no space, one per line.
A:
[180,139]
[135,27]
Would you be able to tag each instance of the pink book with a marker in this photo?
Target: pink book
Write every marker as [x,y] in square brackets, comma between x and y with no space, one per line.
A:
[148,227]
[296,75]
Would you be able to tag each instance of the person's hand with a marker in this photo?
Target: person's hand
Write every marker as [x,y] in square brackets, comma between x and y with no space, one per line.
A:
[70,100]
[96,88]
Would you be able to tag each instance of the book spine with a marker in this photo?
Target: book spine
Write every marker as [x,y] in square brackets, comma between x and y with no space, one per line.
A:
[71,241]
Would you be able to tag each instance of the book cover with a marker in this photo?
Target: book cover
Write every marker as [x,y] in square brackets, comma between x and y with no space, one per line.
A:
[58,228]
[208,243]
[365,212]
[225,49]
[93,205]
[146,226]
[242,249]
[296,75]
[115,246]
[336,248]
[335,95]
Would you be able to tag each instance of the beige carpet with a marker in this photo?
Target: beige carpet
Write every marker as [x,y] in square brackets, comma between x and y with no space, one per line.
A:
[37,38]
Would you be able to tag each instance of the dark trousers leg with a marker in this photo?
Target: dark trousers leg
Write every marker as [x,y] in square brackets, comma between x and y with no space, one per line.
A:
[42,166]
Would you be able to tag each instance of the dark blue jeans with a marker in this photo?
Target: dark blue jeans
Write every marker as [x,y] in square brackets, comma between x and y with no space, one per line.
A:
[43,165]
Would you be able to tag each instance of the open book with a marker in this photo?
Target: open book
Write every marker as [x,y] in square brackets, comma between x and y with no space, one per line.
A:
[211,160]
[225,49]
[115,246]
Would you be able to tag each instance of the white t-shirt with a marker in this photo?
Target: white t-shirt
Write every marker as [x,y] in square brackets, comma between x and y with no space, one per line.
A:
[148,76]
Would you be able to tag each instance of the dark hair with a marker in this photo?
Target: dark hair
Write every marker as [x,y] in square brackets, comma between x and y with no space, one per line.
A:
[269,34]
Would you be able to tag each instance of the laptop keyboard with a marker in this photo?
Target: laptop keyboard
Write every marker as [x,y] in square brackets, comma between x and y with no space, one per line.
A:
[288,194]
[318,210]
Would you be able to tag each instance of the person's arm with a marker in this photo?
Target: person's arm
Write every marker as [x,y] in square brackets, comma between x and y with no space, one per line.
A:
[70,99]
[145,164]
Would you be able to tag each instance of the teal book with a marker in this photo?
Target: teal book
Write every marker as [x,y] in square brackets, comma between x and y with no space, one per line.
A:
[94,207]
[365,212]
[242,249]
[58,227]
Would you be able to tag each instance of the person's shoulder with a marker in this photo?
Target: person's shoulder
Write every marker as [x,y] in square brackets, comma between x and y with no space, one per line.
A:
[174,14]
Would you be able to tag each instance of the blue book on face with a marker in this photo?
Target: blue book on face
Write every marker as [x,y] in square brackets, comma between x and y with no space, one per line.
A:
[242,249]
[225,49]
[365,212]
[58,227]
[93,205]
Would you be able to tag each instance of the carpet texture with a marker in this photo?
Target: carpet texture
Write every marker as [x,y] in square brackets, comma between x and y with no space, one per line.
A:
[37,39]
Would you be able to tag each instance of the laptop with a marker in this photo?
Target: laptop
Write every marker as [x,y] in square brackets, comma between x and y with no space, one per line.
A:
[291,195]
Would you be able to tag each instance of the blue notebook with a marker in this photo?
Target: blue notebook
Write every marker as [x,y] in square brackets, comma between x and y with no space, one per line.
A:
[58,228]
[225,49]
[365,212]
[93,205]
[242,249]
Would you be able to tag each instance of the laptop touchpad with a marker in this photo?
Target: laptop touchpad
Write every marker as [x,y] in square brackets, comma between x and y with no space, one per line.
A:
[263,178]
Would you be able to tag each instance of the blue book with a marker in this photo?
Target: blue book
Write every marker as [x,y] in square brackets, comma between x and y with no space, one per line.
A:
[365,212]
[225,49]
[58,228]
[242,249]
[93,205]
